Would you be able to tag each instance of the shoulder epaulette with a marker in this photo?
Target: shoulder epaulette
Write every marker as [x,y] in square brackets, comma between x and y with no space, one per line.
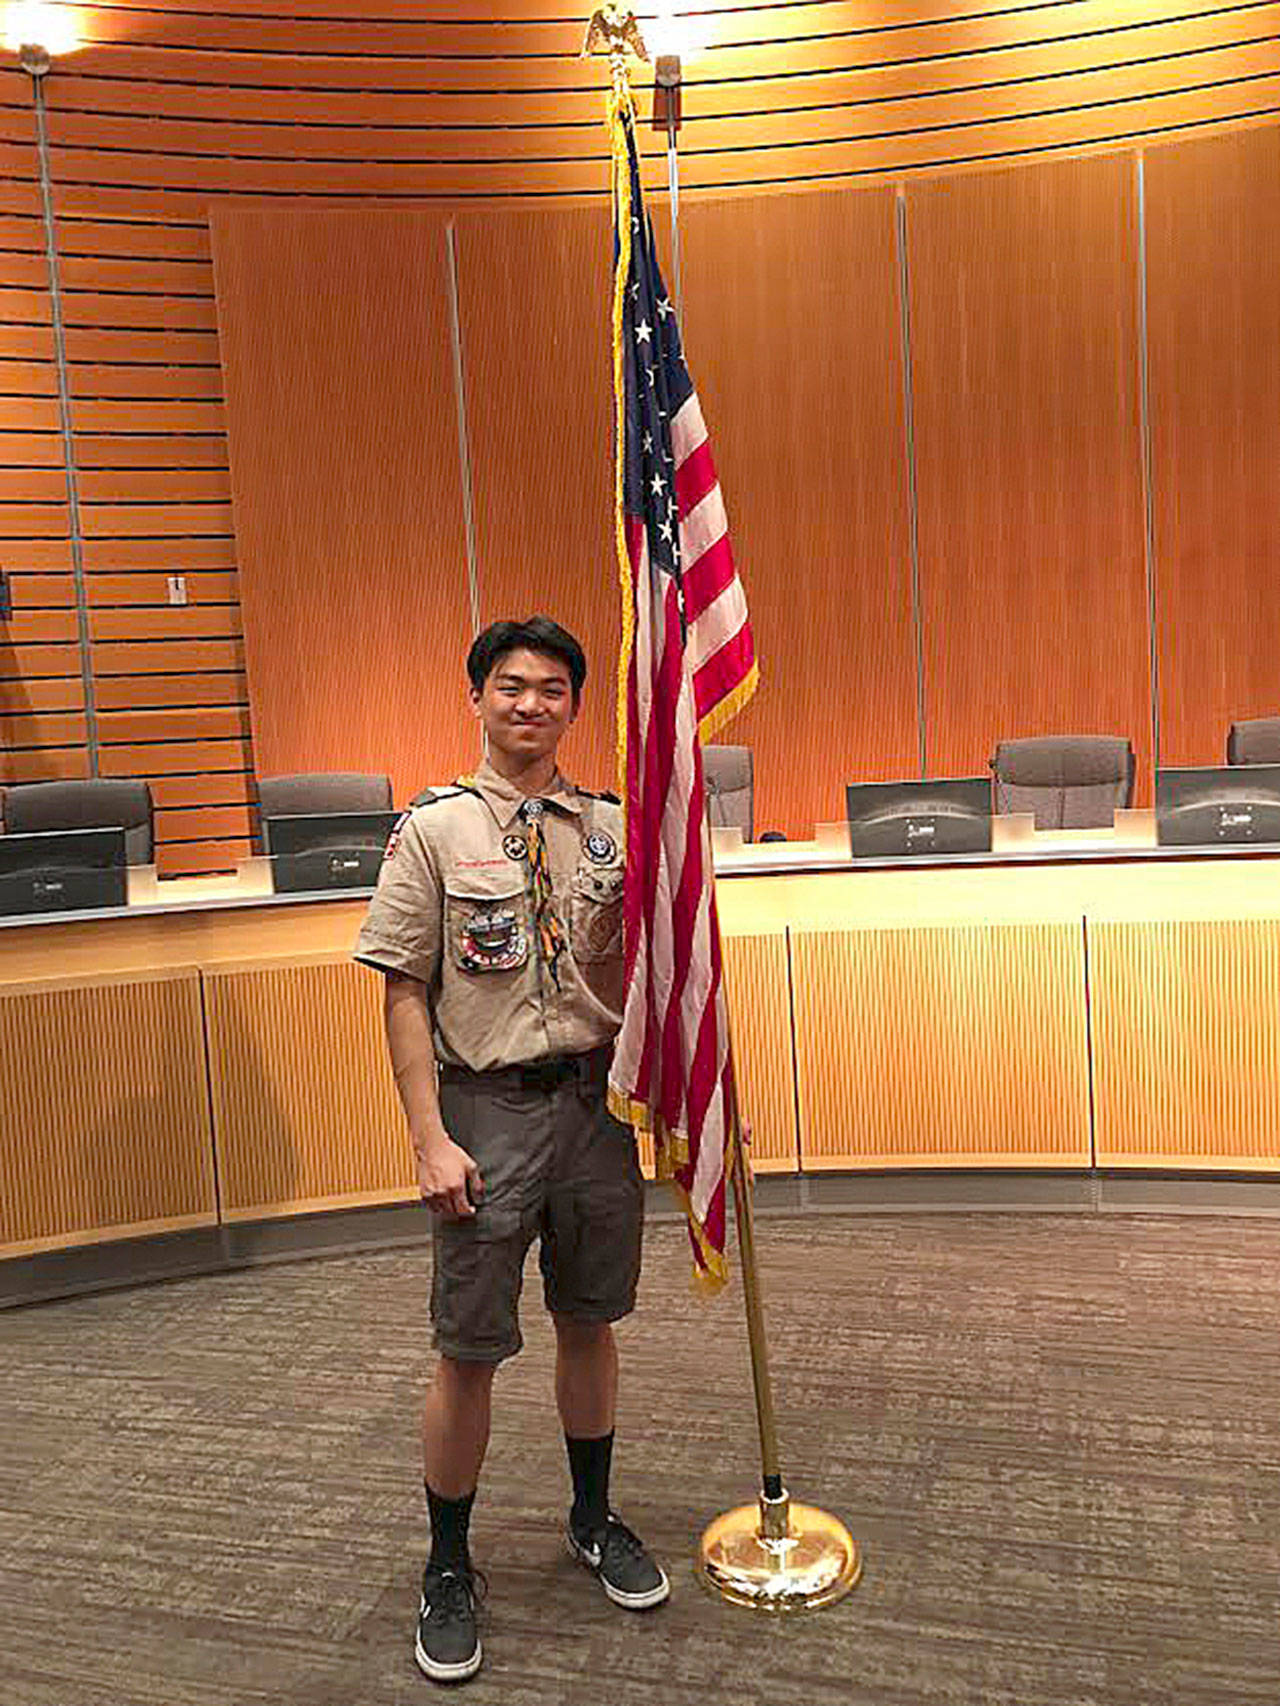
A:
[433,796]
[600,794]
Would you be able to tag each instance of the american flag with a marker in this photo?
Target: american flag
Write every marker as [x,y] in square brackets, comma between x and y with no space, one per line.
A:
[688,663]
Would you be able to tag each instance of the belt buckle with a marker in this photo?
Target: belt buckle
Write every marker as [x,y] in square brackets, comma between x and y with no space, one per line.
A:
[541,1074]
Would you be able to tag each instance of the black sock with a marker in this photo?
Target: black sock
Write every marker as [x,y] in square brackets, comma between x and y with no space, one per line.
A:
[449,1522]
[589,1461]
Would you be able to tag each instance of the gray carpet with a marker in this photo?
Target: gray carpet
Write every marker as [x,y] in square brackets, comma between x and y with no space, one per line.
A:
[1056,1437]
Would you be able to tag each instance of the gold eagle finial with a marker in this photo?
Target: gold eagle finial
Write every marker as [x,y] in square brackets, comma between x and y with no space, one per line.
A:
[614,29]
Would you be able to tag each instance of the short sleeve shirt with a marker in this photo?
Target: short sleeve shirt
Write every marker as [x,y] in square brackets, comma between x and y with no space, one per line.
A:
[454,908]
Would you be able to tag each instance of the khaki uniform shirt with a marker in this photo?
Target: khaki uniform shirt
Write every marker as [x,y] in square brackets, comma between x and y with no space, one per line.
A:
[454,908]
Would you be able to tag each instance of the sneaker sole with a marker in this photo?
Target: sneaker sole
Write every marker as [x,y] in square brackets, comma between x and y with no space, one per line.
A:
[628,1601]
[447,1673]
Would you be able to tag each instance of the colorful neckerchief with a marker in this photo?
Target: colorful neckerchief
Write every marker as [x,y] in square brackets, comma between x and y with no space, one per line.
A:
[550,934]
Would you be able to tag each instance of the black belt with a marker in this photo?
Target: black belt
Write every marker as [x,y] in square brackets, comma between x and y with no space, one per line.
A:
[546,1074]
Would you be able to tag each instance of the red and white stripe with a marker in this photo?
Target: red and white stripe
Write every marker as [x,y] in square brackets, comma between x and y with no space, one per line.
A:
[720,648]
[672,1070]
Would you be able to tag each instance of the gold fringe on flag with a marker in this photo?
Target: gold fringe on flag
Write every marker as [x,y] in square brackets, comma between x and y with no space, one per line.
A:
[618,105]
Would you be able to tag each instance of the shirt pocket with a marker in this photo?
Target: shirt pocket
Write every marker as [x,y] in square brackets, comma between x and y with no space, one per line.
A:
[486,926]
[595,923]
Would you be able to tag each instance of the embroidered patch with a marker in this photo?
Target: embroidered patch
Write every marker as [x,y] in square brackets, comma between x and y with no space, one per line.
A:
[601,848]
[604,930]
[515,847]
[393,840]
[492,940]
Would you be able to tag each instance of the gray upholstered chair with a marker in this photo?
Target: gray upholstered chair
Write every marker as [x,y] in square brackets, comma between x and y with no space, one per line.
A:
[729,780]
[323,791]
[1254,742]
[315,793]
[103,802]
[1068,781]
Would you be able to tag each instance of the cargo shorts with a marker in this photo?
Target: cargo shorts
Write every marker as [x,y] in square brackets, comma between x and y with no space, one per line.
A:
[557,1166]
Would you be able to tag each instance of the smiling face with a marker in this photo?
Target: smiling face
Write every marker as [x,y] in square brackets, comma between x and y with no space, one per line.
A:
[526,705]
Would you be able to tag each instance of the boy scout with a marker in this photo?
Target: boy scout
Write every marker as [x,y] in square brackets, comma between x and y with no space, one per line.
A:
[498,923]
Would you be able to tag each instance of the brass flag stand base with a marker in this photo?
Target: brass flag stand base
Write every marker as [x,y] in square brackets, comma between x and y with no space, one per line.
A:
[779,1556]
[773,1556]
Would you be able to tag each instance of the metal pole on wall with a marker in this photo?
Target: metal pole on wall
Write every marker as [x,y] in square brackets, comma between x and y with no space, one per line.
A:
[909,448]
[667,84]
[1148,480]
[35,62]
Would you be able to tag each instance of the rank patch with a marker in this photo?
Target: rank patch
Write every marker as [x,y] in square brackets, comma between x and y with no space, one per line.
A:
[601,848]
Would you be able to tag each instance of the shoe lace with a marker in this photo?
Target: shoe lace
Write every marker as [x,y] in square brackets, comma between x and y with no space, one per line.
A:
[619,1538]
[454,1593]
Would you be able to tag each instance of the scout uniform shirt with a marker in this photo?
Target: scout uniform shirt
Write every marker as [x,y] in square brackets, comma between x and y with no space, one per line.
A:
[456,908]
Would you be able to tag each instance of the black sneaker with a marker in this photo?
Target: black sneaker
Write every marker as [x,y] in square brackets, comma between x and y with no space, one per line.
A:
[447,1648]
[627,1573]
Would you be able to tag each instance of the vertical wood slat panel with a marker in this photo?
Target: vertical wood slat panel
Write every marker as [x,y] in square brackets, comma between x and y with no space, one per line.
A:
[1213,232]
[794,343]
[344,464]
[534,292]
[304,1106]
[1026,370]
[1186,1043]
[104,1123]
[758,985]
[950,1046]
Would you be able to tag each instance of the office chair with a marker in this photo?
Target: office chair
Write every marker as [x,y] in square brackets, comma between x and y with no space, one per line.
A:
[101,802]
[729,781]
[1068,781]
[1256,741]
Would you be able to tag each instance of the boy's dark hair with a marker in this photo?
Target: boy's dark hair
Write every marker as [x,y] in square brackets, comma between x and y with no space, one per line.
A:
[534,634]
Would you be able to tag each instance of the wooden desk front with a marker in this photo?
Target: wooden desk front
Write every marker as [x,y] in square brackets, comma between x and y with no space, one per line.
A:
[176,1069]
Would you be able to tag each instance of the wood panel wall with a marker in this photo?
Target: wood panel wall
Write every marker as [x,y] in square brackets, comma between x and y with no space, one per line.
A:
[1213,230]
[905,1018]
[422,104]
[1186,1043]
[534,294]
[304,1107]
[953,1046]
[1026,373]
[169,110]
[793,332]
[757,980]
[338,356]
[104,1123]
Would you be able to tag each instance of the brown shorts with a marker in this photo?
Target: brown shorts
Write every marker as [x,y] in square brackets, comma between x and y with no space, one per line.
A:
[555,1165]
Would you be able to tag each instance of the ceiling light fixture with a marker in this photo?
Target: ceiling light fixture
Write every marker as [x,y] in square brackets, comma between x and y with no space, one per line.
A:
[39,33]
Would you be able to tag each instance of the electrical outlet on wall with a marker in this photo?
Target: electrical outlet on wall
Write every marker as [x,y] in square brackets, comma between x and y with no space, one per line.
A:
[177,589]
